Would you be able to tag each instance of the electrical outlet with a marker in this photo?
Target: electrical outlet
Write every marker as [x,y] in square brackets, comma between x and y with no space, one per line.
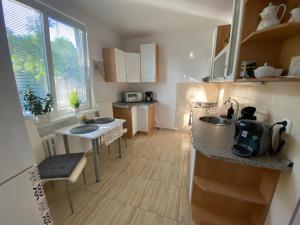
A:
[289,126]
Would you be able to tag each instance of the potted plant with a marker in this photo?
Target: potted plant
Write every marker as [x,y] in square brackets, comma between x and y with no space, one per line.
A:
[39,107]
[75,102]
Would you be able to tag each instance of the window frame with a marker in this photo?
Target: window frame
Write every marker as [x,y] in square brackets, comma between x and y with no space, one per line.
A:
[47,12]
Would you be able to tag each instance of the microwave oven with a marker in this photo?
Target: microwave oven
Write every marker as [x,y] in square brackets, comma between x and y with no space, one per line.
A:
[132,96]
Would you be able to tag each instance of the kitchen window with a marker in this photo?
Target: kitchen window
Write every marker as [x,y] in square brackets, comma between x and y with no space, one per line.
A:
[48,52]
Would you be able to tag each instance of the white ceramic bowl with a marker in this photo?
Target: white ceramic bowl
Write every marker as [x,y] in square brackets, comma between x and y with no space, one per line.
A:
[267,71]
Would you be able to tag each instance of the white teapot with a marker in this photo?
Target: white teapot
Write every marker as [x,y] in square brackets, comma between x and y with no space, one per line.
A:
[295,15]
[269,16]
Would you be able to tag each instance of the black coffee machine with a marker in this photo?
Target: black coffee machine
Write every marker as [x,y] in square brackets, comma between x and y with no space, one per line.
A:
[254,138]
[149,96]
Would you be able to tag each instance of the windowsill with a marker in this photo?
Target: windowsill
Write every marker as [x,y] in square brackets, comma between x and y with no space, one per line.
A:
[61,119]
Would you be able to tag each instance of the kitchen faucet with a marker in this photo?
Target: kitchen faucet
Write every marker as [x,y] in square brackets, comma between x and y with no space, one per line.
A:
[231,100]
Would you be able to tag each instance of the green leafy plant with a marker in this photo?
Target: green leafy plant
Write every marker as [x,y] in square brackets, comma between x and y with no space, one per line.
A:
[35,104]
[74,100]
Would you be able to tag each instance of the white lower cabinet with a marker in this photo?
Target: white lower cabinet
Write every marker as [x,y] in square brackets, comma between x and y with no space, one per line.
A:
[138,118]
[134,115]
[142,115]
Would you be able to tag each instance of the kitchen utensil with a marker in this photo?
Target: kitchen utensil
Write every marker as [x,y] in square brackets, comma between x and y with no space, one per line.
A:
[149,96]
[84,129]
[295,15]
[247,70]
[103,120]
[276,131]
[132,96]
[269,16]
[267,71]
[248,113]
[253,138]
[294,69]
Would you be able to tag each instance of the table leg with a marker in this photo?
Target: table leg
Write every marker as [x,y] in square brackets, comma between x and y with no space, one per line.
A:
[98,149]
[120,148]
[66,142]
[96,165]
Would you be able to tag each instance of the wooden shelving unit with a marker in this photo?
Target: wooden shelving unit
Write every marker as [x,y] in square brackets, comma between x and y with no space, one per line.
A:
[223,196]
[277,33]
[275,45]
[208,216]
[247,194]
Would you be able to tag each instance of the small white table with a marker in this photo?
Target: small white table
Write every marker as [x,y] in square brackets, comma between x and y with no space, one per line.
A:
[103,129]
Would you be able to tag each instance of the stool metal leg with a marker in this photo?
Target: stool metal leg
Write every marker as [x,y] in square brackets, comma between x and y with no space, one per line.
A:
[84,177]
[69,196]
[108,148]
[120,148]
[125,139]
[97,143]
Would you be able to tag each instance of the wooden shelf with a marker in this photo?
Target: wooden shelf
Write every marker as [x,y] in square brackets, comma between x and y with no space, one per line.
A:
[277,33]
[269,79]
[201,215]
[239,192]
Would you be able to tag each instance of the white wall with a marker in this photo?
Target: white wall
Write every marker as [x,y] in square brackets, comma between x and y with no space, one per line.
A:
[188,93]
[175,66]
[274,102]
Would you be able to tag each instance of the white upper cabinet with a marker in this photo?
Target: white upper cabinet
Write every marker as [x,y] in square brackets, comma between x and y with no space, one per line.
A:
[149,63]
[120,66]
[133,67]
[120,62]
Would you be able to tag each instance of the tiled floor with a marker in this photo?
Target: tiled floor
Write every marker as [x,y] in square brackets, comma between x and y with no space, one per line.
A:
[148,186]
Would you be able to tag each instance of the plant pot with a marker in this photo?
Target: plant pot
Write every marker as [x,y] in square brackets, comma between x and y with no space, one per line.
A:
[42,119]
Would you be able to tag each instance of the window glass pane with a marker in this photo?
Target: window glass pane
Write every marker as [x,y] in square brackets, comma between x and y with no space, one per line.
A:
[25,39]
[68,61]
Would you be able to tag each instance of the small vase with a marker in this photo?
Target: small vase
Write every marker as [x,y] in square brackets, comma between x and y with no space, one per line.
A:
[43,119]
[77,112]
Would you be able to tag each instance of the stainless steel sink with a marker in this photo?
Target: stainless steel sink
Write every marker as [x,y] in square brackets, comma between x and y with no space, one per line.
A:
[215,120]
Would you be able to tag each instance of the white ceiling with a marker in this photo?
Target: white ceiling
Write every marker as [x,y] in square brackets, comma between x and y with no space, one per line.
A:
[131,18]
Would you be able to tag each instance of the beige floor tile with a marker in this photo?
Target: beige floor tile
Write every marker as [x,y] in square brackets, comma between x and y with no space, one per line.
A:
[185,212]
[121,164]
[108,180]
[185,176]
[142,217]
[171,156]
[128,189]
[167,173]
[140,167]
[110,212]
[161,198]
[84,203]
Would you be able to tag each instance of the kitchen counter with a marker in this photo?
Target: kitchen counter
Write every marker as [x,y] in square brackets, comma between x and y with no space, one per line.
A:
[215,142]
[132,104]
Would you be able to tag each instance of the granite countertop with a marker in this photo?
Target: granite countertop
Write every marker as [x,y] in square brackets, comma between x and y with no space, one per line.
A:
[215,142]
[131,104]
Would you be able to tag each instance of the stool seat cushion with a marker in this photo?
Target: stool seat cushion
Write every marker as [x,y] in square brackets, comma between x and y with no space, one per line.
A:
[59,166]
